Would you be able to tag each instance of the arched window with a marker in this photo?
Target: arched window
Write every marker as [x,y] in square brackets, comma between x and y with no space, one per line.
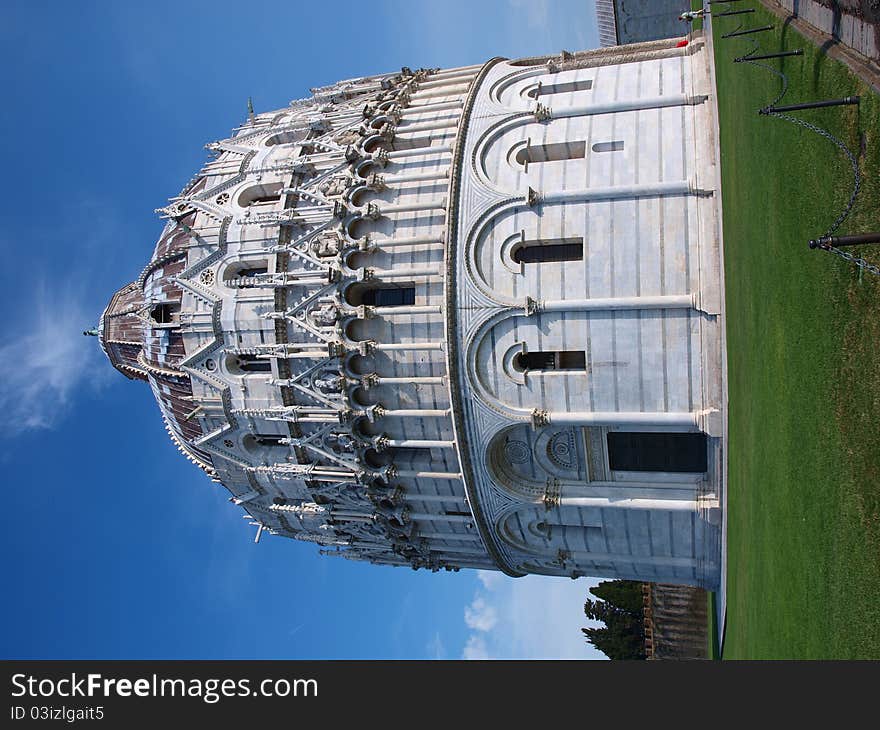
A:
[614,146]
[573,360]
[561,88]
[553,152]
[289,137]
[566,533]
[544,250]
[238,273]
[263,446]
[248,364]
[270,441]
[268,194]
[390,296]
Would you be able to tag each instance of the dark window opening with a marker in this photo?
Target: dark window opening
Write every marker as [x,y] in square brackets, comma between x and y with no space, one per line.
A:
[552,360]
[390,297]
[672,452]
[163,313]
[409,455]
[554,249]
[255,365]
[234,275]
[264,199]
[271,441]
[251,272]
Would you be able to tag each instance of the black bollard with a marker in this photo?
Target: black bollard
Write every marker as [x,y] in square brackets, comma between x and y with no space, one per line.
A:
[762,56]
[810,105]
[845,240]
[748,31]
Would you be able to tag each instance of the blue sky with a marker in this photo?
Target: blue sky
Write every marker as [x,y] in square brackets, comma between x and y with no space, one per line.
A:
[114,546]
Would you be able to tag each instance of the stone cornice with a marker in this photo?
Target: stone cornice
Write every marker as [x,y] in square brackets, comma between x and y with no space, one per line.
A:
[455,384]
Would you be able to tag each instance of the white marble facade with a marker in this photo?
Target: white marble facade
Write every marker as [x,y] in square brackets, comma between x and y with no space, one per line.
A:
[457,318]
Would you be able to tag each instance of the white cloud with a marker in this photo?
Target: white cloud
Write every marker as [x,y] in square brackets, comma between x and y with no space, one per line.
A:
[47,359]
[476,648]
[480,616]
[491,579]
[535,617]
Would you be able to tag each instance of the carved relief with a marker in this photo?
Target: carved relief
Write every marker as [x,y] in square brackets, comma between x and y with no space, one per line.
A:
[523,461]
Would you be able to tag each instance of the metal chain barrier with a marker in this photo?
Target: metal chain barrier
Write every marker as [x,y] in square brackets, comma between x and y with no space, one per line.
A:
[857,175]
[853,161]
[860,262]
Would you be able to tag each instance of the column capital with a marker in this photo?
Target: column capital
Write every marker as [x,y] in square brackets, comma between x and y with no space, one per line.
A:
[532,306]
[540,418]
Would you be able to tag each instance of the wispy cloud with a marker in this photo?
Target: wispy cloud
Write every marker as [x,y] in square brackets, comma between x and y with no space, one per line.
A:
[436,649]
[45,359]
[534,617]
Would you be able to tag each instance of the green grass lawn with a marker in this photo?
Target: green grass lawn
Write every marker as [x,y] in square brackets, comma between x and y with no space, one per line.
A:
[804,360]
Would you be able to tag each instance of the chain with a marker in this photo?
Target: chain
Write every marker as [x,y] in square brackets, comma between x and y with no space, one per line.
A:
[857,175]
[853,161]
[860,262]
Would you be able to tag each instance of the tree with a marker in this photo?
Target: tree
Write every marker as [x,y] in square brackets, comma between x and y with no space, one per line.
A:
[615,644]
[624,594]
[623,636]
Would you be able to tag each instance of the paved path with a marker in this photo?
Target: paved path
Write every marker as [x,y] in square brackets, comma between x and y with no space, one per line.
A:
[721,593]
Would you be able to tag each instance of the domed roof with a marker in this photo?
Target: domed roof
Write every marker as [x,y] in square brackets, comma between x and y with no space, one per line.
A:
[120,331]
[140,333]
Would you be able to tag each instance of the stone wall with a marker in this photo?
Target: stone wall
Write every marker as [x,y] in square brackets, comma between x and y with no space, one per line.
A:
[649,20]
[610,152]
[676,622]
[853,22]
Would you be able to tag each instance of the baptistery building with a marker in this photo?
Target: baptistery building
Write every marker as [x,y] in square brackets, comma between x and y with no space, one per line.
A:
[466,317]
